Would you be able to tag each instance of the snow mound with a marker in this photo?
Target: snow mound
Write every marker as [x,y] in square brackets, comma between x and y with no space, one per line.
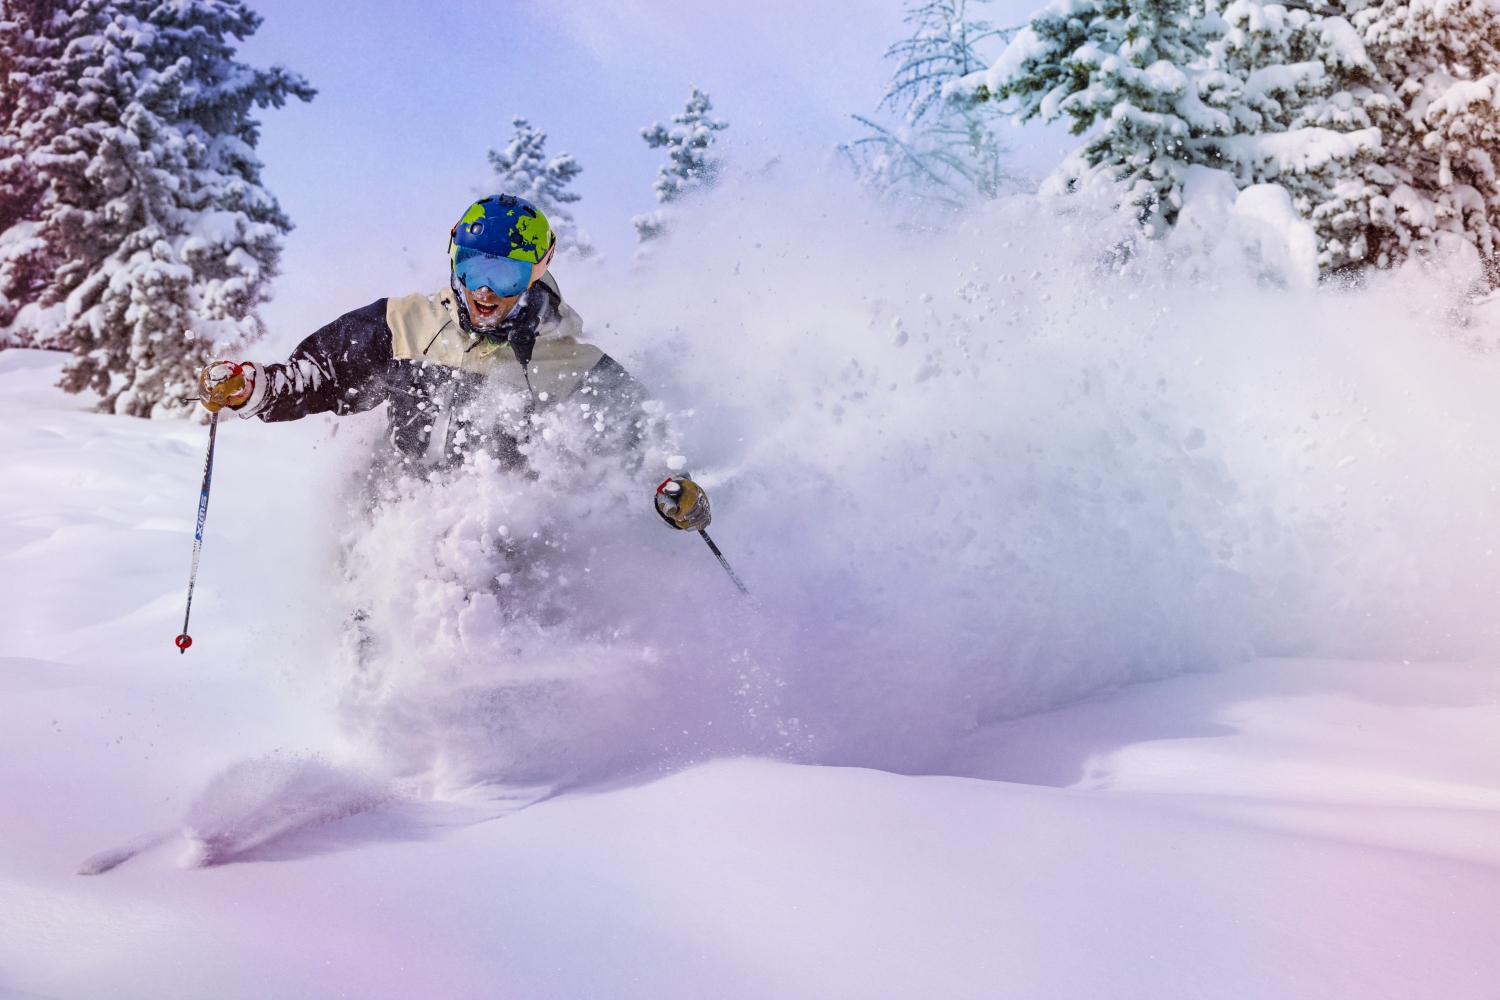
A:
[257,801]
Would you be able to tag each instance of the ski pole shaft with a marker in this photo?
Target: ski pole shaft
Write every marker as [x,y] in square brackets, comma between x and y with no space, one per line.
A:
[184,640]
[722,562]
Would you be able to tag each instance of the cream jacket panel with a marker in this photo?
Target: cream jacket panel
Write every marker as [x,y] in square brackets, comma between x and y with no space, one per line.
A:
[426,328]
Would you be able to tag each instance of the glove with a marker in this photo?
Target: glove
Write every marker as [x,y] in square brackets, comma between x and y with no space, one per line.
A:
[683,504]
[224,383]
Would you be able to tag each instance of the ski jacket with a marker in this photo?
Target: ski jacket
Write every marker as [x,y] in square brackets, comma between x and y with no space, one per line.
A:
[448,390]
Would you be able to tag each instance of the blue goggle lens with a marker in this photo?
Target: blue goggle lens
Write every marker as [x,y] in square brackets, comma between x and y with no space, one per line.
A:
[504,276]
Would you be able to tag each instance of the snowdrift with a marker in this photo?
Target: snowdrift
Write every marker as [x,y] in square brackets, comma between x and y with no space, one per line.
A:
[968,476]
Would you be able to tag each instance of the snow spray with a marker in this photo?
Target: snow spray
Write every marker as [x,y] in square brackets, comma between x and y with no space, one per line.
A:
[184,640]
[1026,461]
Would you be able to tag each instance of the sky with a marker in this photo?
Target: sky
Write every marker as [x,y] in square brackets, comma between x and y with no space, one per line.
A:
[412,96]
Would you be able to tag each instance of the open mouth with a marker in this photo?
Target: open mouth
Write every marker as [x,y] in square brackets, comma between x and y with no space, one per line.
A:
[489,311]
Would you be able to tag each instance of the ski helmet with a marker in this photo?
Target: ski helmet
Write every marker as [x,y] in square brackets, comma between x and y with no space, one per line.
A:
[503,225]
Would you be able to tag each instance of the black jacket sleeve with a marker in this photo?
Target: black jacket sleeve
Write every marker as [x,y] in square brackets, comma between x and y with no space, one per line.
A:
[345,367]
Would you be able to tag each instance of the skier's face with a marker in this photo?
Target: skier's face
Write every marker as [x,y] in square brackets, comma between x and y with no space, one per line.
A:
[487,309]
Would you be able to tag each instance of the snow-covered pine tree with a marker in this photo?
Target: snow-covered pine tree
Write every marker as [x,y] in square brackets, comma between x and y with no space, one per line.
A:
[523,169]
[941,150]
[1294,85]
[1383,125]
[1437,103]
[691,165]
[165,239]
[33,33]
[1137,78]
[20,191]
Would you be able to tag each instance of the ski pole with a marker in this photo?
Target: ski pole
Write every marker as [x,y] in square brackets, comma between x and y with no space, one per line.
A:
[723,562]
[184,640]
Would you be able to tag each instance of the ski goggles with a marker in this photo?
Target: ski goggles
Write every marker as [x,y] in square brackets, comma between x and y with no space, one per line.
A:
[505,276]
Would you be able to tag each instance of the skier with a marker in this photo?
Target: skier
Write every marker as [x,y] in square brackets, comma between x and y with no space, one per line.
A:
[463,368]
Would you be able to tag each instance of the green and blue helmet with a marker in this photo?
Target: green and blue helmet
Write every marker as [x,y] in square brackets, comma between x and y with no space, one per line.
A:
[497,242]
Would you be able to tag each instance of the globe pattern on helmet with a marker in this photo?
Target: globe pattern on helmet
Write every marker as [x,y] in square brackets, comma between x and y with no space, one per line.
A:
[505,226]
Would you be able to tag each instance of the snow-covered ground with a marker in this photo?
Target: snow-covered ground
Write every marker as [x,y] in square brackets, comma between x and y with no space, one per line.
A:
[1279,828]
